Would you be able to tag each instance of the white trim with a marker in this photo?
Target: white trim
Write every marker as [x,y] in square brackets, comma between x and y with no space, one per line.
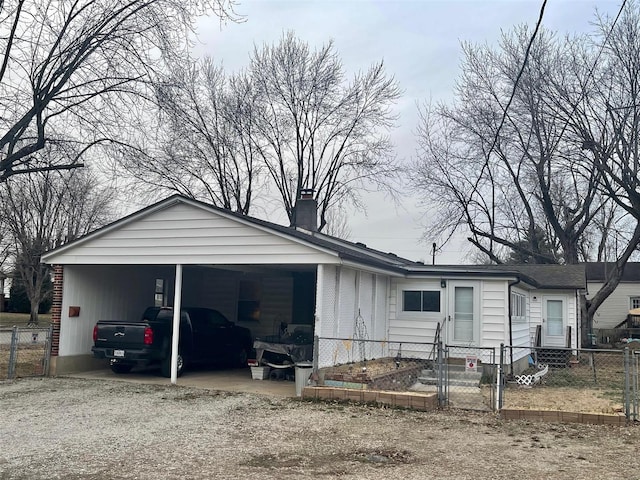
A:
[477,320]
[554,340]
[369,269]
[177,305]
[319,295]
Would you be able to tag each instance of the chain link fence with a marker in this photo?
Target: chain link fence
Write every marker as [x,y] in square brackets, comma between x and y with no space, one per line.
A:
[564,379]
[470,379]
[577,380]
[462,377]
[24,351]
[632,387]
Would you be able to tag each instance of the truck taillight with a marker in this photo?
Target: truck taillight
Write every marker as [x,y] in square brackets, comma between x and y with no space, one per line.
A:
[148,336]
[95,333]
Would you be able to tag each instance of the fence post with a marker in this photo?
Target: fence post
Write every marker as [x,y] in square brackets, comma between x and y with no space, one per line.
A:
[316,355]
[499,379]
[440,375]
[13,353]
[47,352]
[627,384]
[634,384]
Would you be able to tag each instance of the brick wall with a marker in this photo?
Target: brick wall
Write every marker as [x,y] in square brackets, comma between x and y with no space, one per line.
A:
[56,308]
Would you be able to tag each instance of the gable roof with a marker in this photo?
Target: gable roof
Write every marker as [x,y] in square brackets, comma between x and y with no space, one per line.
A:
[597,271]
[294,245]
[166,219]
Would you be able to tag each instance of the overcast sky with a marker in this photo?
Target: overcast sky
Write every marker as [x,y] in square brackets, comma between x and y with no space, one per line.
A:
[419,41]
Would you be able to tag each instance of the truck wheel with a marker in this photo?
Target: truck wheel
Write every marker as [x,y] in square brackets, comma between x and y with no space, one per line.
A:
[165,368]
[241,358]
[121,368]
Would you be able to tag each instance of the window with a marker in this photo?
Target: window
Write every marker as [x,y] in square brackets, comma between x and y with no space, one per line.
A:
[634,303]
[421,301]
[160,294]
[518,306]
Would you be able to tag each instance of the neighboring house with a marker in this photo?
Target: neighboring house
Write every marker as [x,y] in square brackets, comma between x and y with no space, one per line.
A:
[265,276]
[625,297]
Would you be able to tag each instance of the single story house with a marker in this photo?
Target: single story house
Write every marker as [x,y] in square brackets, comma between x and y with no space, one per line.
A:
[266,276]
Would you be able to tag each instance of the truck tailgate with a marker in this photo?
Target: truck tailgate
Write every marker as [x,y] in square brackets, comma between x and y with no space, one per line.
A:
[120,334]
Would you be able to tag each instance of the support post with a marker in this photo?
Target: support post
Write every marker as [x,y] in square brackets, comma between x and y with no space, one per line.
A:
[175,337]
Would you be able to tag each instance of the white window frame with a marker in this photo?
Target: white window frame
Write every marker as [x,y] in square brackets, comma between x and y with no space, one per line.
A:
[632,300]
[518,307]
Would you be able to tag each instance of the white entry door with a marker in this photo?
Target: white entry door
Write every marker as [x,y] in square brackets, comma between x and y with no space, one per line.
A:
[554,321]
[464,322]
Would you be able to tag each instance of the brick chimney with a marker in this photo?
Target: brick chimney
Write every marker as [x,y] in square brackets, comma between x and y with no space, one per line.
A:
[305,213]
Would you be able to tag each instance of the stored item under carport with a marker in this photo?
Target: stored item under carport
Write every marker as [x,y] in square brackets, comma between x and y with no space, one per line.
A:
[260,373]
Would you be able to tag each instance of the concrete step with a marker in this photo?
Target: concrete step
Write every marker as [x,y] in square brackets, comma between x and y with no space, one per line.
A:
[456,377]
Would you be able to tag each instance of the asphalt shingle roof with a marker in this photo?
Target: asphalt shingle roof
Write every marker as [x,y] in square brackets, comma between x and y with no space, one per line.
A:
[597,271]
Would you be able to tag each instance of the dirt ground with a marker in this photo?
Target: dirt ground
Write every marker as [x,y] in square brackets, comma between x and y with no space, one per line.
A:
[53,428]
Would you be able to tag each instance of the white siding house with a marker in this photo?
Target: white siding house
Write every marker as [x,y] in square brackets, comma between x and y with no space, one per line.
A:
[264,276]
[223,259]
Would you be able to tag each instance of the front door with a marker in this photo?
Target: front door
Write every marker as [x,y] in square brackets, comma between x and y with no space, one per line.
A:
[463,313]
[554,322]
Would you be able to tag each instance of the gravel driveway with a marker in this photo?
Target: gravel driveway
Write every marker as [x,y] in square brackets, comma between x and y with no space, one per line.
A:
[95,429]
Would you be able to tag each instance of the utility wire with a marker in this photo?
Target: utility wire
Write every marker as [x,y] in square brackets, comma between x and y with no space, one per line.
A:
[515,84]
[511,97]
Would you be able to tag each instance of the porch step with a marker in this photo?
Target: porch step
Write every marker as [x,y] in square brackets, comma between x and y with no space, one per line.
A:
[457,377]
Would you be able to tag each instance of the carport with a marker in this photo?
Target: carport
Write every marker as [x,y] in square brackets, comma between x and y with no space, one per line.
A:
[184,252]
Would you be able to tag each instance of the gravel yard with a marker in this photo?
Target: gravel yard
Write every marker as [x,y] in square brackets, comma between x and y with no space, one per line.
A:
[98,429]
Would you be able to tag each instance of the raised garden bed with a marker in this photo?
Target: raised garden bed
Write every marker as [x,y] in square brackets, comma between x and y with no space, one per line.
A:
[379,374]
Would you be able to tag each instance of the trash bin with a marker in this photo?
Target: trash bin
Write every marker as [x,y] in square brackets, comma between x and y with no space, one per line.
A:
[303,372]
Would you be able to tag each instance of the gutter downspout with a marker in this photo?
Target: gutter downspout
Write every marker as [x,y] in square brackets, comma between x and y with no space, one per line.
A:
[511,284]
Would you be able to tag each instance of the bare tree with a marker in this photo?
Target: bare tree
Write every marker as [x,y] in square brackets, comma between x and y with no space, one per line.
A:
[43,210]
[554,174]
[605,122]
[290,122]
[521,184]
[338,223]
[203,145]
[69,70]
[319,131]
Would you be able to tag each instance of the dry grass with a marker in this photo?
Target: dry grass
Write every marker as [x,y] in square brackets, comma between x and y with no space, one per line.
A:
[9,319]
[566,399]
[594,383]
[30,361]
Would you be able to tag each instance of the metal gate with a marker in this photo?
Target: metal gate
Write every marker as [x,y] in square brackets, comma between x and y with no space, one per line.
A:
[25,351]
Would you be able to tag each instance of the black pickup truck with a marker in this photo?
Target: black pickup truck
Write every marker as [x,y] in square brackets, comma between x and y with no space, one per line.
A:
[206,336]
